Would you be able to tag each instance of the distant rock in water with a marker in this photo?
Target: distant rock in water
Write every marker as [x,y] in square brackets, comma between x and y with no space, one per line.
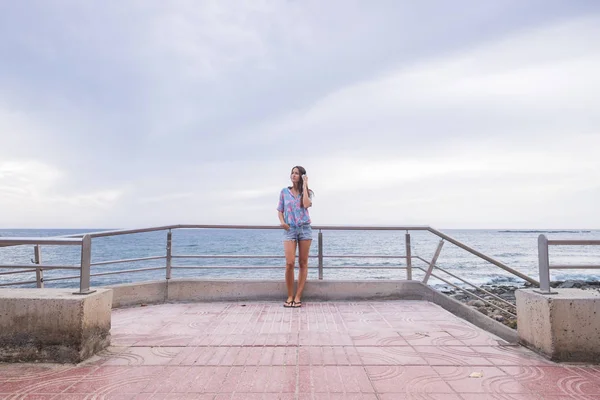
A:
[518,231]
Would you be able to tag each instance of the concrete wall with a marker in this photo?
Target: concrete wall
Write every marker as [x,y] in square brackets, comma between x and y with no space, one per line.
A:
[139,293]
[252,290]
[564,326]
[53,325]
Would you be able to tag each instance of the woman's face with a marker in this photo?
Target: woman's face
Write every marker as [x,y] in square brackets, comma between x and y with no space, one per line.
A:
[295,176]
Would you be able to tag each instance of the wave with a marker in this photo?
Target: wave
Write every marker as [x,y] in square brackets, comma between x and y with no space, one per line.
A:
[504,279]
[511,255]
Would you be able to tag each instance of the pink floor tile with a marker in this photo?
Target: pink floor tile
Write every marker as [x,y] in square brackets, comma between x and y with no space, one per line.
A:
[407,379]
[428,337]
[507,396]
[377,338]
[419,396]
[404,355]
[451,355]
[555,380]
[491,380]
[338,396]
[511,355]
[197,379]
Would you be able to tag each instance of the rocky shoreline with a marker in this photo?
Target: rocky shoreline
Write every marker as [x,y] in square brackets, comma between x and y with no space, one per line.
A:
[507,293]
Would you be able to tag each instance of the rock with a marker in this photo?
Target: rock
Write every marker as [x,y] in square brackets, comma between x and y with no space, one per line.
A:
[459,296]
[476,303]
[483,310]
[508,296]
[498,318]
[571,284]
[489,298]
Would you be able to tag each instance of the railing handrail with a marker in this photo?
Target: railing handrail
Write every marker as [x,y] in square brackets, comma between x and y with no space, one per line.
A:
[326,227]
[85,241]
[544,258]
[78,239]
[118,232]
[571,242]
[483,256]
[18,241]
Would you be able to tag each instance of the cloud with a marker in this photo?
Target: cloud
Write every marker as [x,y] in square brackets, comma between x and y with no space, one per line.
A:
[160,112]
[28,197]
[535,84]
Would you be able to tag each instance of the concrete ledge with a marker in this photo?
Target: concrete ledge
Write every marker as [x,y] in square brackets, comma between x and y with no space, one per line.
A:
[53,325]
[137,293]
[564,326]
[222,290]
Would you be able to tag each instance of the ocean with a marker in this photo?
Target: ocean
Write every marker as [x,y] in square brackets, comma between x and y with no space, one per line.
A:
[515,248]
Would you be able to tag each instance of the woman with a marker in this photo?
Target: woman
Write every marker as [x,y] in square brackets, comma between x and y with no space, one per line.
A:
[294,202]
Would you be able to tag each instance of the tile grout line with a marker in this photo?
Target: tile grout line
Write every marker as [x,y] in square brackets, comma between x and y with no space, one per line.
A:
[297,391]
[364,367]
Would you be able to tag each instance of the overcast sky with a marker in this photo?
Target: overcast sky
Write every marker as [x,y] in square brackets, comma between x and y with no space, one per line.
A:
[455,114]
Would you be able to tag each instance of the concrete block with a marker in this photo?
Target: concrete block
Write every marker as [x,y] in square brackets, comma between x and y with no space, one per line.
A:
[564,326]
[53,325]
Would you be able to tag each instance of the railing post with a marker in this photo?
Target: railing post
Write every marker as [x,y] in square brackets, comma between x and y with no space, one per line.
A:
[433,261]
[544,265]
[169,254]
[86,260]
[39,273]
[320,255]
[408,257]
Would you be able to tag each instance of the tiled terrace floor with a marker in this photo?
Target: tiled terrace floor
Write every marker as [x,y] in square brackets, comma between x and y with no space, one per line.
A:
[325,350]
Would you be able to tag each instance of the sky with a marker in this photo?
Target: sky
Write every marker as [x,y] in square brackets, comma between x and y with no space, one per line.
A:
[461,114]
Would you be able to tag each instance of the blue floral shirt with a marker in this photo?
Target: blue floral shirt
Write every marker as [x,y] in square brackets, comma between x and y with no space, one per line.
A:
[290,206]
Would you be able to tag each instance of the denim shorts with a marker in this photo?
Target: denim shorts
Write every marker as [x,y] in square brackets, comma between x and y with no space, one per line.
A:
[302,232]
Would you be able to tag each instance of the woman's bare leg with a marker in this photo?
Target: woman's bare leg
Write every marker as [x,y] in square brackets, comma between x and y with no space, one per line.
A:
[303,250]
[289,247]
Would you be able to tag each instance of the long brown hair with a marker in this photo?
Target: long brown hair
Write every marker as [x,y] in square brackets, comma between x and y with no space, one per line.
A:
[302,171]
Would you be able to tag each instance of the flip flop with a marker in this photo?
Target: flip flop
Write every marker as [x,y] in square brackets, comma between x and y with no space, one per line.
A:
[288,304]
[297,304]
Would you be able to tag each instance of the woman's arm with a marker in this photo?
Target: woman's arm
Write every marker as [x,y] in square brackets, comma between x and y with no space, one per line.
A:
[280,208]
[282,221]
[306,201]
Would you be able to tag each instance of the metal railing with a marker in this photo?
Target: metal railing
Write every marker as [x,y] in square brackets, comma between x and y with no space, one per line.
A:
[431,268]
[544,259]
[85,242]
